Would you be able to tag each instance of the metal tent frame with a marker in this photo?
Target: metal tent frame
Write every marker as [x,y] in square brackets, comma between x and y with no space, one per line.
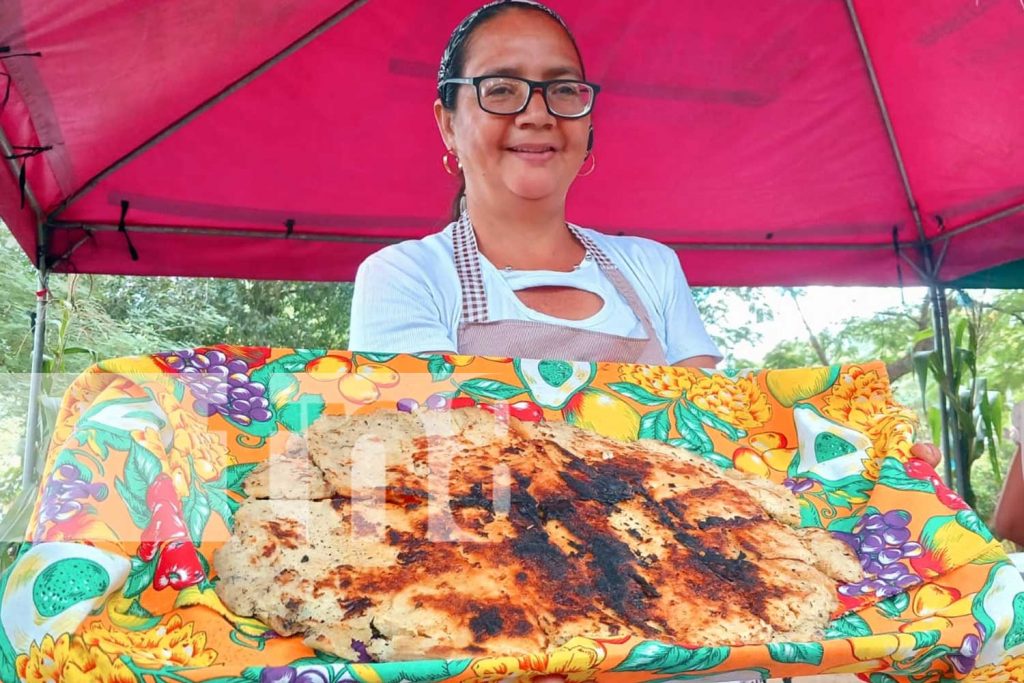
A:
[927,265]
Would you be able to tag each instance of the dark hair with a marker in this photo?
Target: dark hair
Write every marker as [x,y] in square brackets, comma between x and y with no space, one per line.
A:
[454,59]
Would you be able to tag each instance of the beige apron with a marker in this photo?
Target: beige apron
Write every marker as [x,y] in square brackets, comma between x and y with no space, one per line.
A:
[479,336]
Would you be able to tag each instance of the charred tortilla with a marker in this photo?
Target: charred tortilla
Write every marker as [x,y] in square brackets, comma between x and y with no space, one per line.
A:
[442,534]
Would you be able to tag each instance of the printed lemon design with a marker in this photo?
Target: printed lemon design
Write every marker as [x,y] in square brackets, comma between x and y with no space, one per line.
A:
[949,544]
[937,605]
[381,375]
[328,368]
[359,384]
[739,402]
[896,645]
[603,413]
[767,451]
[663,381]
[358,389]
[799,384]
[68,582]
[551,383]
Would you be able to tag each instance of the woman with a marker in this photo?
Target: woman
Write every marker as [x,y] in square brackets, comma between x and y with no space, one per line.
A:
[509,276]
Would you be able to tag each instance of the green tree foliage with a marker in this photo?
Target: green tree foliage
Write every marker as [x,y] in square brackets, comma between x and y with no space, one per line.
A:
[93,317]
[716,304]
[888,335]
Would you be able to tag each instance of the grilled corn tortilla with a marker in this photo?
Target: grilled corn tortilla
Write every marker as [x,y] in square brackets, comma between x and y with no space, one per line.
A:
[451,533]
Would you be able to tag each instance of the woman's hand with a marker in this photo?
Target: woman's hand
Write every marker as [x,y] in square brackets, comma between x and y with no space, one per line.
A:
[927,452]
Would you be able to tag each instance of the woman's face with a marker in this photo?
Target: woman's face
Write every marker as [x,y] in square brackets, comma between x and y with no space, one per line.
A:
[531,155]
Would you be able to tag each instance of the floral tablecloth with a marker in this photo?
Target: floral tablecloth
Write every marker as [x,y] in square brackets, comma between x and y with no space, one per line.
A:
[144,475]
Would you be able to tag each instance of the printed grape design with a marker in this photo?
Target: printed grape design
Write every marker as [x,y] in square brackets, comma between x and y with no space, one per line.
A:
[882,542]
[64,493]
[221,385]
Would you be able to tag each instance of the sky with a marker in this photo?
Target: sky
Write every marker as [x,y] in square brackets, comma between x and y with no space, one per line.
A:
[824,307]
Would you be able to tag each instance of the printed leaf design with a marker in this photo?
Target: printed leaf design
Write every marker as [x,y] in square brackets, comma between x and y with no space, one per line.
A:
[490,388]
[893,475]
[300,413]
[655,425]
[895,606]
[439,368]
[651,655]
[139,578]
[848,626]
[797,653]
[378,357]
[638,394]
[691,429]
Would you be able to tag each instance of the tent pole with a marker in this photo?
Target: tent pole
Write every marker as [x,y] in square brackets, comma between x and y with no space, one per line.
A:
[30,457]
[940,326]
[956,454]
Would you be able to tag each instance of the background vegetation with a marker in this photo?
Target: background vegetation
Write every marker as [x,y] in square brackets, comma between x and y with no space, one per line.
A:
[94,317]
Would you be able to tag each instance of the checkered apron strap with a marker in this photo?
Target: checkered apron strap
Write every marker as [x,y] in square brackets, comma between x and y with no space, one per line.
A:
[592,250]
[467,266]
[618,279]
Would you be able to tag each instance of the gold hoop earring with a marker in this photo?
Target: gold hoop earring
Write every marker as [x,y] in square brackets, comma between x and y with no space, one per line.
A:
[445,162]
[593,165]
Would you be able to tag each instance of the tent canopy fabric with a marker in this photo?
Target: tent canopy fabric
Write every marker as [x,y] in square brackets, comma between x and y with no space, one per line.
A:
[748,135]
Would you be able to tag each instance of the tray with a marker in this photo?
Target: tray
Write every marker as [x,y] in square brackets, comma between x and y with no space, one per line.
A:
[86,598]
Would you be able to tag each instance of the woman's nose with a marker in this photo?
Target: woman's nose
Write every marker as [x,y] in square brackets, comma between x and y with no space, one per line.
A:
[536,107]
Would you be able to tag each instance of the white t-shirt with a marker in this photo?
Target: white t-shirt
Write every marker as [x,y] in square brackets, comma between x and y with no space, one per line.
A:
[408,299]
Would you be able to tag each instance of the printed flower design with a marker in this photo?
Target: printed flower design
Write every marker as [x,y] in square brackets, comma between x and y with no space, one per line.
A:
[358,384]
[171,644]
[663,381]
[1009,670]
[69,661]
[193,442]
[863,400]
[740,402]
[577,660]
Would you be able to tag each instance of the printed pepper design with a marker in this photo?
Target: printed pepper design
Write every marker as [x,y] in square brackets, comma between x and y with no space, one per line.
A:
[166,538]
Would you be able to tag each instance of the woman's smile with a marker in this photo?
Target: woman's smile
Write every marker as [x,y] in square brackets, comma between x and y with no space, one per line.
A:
[533,153]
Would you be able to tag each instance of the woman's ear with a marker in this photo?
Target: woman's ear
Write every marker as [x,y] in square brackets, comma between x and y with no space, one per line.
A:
[444,124]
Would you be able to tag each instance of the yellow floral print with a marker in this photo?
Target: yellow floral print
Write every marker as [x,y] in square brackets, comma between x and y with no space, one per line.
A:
[193,442]
[577,660]
[1010,670]
[666,382]
[863,400]
[170,644]
[739,401]
[70,661]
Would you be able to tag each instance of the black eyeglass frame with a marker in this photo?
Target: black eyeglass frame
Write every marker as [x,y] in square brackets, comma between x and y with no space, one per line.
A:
[475,81]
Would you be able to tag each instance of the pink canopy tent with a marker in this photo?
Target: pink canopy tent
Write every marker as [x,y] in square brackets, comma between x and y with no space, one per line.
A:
[752,136]
[786,143]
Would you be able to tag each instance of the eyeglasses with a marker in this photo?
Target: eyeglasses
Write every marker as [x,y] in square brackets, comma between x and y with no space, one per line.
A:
[508,95]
